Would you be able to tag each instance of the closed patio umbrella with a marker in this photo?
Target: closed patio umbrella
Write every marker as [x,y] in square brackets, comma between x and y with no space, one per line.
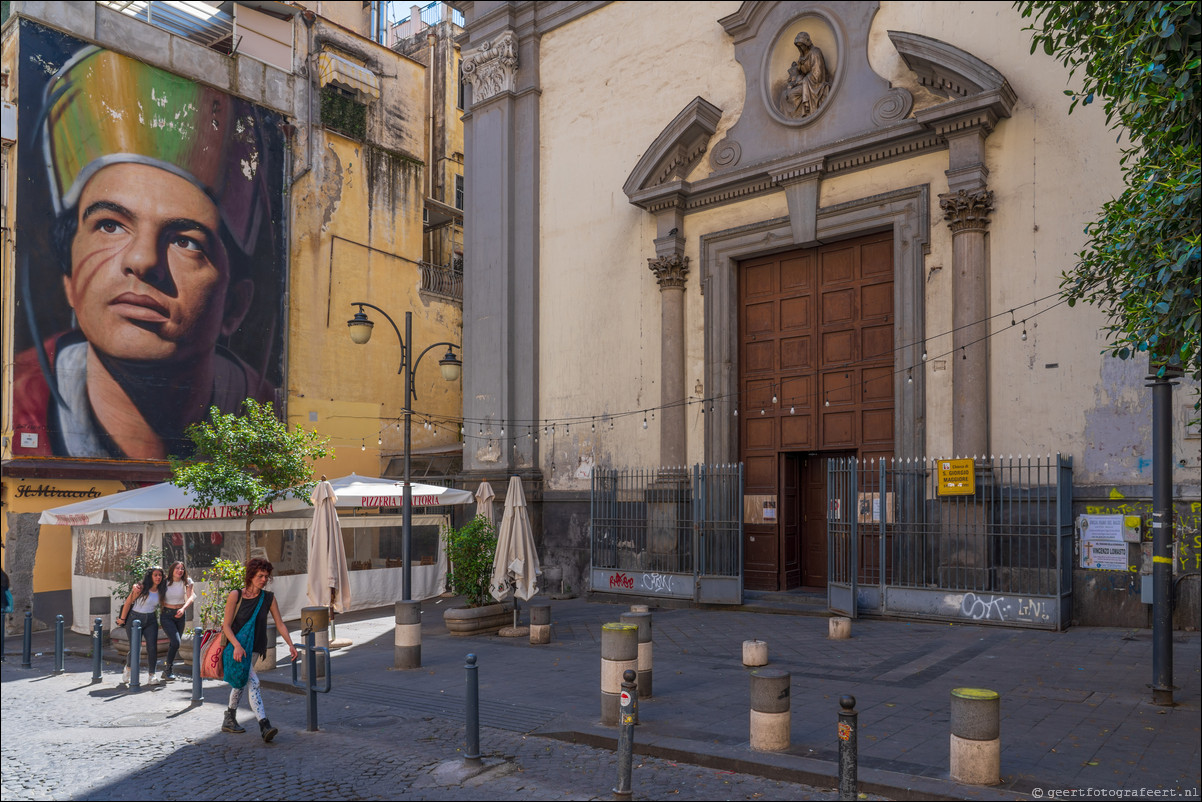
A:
[515,565]
[329,583]
[484,497]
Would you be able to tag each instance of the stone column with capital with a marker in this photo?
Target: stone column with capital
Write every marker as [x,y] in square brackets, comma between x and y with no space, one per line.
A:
[671,270]
[967,215]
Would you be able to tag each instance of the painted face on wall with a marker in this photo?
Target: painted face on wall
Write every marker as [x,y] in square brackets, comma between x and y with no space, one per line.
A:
[150,278]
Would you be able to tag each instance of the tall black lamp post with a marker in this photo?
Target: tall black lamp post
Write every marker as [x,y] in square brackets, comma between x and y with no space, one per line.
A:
[451,366]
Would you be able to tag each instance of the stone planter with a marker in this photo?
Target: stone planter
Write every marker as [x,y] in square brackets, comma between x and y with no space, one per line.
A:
[478,620]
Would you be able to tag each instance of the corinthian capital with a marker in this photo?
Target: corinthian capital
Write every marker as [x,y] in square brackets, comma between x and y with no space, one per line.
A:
[492,67]
[670,271]
[967,210]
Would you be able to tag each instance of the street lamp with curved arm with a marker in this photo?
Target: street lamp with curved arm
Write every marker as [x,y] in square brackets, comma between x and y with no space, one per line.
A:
[451,367]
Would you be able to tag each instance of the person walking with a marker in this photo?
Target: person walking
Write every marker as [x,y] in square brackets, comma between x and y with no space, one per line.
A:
[141,605]
[245,629]
[178,596]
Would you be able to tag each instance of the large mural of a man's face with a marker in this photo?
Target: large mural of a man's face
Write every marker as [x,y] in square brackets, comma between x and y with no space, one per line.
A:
[150,263]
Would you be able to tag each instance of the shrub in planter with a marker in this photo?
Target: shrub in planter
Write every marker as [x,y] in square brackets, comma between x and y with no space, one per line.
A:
[470,550]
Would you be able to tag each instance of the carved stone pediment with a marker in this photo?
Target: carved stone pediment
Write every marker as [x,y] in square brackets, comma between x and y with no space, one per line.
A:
[676,150]
[808,78]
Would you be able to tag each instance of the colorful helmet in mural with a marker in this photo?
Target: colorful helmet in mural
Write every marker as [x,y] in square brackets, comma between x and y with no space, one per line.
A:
[103,108]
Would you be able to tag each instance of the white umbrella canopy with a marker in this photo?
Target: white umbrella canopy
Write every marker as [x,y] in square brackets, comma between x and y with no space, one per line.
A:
[515,555]
[166,502]
[484,497]
[329,583]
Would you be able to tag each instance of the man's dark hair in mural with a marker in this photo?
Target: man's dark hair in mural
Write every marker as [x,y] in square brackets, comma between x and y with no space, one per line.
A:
[161,206]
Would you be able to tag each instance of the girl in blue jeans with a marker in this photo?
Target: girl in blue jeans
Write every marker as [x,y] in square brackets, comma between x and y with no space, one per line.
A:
[178,596]
[141,605]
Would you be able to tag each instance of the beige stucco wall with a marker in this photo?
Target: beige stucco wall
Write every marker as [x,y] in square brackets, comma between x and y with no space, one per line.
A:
[612,80]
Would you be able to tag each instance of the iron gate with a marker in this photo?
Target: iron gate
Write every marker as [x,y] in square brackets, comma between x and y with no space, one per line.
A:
[668,532]
[1000,555]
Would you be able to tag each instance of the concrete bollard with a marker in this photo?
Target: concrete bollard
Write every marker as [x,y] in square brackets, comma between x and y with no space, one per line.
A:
[771,717]
[317,621]
[755,653]
[619,653]
[839,628]
[407,649]
[640,608]
[976,744]
[646,647]
[540,622]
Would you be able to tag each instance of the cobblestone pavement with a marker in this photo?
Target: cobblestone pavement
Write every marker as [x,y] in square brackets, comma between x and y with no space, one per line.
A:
[65,738]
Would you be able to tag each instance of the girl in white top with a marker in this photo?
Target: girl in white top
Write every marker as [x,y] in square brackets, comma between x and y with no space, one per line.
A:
[144,599]
[178,596]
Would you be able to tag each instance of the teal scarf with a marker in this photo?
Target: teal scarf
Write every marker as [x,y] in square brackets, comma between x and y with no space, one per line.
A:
[237,672]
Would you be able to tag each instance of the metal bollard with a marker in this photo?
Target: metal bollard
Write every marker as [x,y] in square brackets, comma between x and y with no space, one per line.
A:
[849,782]
[58,644]
[619,651]
[646,646]
[135,655]
[771,716]
[97,646]
[471,755]
[976,744]
[197,684]
[27,642]
[309,683]
[628,713]
[407,643]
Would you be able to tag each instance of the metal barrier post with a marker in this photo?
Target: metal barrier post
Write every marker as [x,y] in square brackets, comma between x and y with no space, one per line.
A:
[197,691]
[849,783]
[97,645]
[135,655]
[27,641]
[627,718]
[471,755]
[309,683]
[58,644]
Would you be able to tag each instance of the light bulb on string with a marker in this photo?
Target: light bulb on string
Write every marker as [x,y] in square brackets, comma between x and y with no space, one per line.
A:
[362,446]
[924,352]
[379,441]
[1024,331]
[593,425]
[644,421]
[963,353]
[909,377]
[761,410]
[1012,323]
[792,410]
[736,412]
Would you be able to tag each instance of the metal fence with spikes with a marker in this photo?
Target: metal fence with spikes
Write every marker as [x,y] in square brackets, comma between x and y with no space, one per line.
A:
[670,532]
[1002,554]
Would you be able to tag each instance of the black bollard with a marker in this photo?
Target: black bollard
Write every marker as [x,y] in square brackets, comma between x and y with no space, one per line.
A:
[627,717]
[471,755]
[848,772]
[135,655]
[197,687]
[27,642]
[97,644]
[58,644]
[309,683]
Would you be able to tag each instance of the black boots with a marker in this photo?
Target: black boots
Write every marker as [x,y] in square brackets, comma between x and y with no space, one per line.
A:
[266,730]
[231,722]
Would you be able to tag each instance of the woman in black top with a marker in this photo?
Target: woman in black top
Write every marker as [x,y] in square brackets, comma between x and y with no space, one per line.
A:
[239,607]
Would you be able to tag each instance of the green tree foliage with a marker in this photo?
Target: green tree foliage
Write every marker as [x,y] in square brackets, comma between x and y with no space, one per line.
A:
[251,458]
[222,577]
[470,550]
[1141,262]
[132,572]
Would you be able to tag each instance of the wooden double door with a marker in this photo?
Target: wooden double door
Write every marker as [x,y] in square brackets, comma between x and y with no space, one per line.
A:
[816,381]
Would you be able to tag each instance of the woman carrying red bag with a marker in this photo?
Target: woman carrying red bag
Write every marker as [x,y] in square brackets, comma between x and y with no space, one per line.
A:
[245,629]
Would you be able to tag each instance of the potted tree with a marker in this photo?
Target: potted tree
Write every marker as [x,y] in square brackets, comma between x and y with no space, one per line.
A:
[470,550]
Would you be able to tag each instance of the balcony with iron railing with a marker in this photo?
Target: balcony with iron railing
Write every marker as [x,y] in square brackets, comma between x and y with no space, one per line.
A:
[443,281]
[427,16]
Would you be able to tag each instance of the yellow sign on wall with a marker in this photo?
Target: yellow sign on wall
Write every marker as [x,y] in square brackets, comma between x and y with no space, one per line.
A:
[957,477]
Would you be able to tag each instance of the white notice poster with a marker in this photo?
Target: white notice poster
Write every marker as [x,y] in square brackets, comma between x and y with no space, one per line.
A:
[1102,555]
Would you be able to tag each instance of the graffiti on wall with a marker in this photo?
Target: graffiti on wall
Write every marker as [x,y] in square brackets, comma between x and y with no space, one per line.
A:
[150,267]
[1187,546]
